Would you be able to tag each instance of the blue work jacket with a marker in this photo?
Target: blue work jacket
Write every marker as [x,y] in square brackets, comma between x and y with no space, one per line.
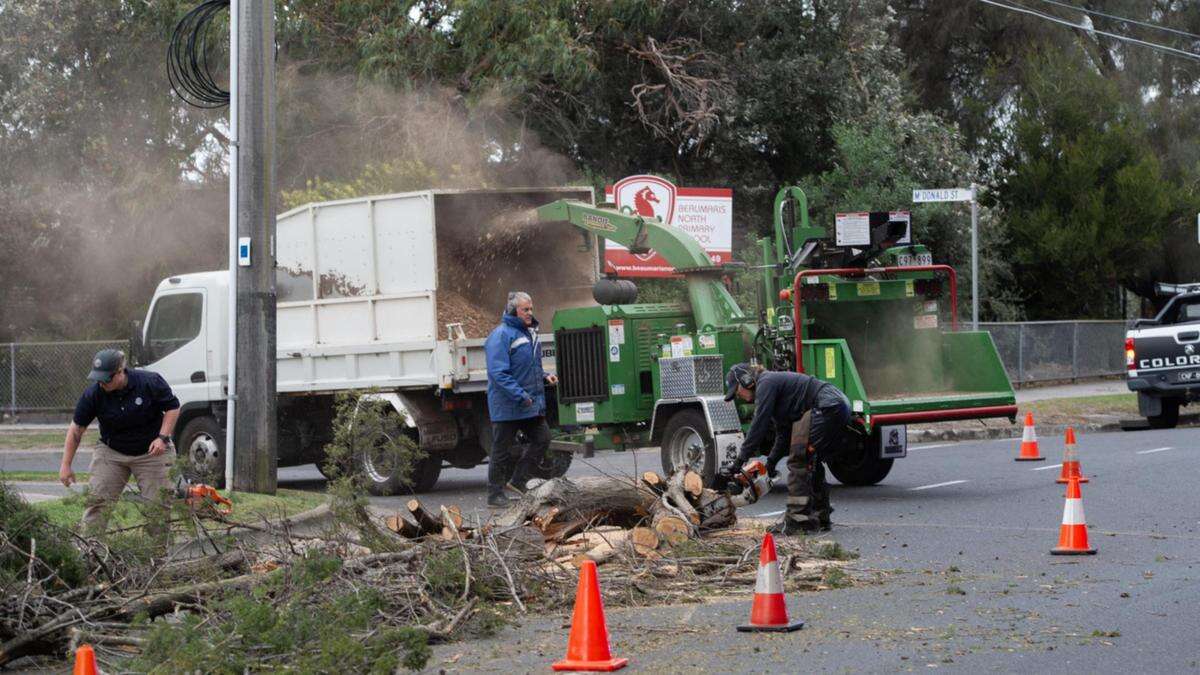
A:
[516,381]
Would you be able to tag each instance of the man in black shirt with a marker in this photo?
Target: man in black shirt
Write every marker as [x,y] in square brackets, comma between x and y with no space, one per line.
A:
[809,417]
[137,413]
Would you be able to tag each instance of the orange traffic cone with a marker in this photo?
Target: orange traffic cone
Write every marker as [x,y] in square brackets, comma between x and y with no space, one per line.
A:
[1072,537]
[85,661]
[587,646]
[1070,467]
[769,612]
[1029,446]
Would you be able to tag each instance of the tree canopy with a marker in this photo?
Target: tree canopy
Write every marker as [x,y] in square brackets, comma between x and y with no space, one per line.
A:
[1081,143]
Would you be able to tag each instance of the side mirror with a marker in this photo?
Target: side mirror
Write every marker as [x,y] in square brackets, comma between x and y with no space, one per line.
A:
[136,349]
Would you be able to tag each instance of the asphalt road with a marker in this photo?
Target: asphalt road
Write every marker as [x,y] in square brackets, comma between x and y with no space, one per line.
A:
[963,535]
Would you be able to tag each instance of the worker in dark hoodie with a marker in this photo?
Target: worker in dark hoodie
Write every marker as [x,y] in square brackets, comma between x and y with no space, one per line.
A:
[809,418]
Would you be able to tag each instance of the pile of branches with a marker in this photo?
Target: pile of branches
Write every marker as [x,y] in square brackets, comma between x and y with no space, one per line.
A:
[265,601]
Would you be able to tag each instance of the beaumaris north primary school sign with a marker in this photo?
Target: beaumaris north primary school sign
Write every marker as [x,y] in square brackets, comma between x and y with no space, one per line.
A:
[704,213]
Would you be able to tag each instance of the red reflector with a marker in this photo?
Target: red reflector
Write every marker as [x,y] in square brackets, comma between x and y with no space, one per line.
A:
[616,438]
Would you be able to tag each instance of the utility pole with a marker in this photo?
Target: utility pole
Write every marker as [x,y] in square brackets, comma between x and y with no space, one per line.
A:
[254,462]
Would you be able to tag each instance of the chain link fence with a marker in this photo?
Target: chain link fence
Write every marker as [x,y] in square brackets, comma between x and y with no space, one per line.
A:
[1037,351]
[47,376]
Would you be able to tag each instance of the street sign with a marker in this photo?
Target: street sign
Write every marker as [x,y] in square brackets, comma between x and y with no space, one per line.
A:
[944,195]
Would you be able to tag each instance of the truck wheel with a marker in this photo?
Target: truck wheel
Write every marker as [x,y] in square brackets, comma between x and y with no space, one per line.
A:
[1169,417]
[382,475]
[202,447]
[688,443]
[869,469]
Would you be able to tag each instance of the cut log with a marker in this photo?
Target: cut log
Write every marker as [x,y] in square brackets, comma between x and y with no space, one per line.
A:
[452,514]
[693,484]
[561,530]
[677,497]
[670,527]
[403,526]
[655,482]
[610,544]
[425,520]
[644,540]
[544,519]
[589,498]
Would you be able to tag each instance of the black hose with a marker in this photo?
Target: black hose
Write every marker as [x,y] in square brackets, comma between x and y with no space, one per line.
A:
[187,58]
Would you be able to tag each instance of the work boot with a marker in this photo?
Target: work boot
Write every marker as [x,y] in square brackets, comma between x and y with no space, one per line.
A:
[795,525]
[498,501]
[823,518]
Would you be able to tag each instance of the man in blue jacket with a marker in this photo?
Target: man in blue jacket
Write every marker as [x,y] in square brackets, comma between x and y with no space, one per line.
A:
[516,396]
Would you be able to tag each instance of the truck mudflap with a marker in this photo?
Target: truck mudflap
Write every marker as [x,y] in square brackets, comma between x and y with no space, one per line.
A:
[721,415]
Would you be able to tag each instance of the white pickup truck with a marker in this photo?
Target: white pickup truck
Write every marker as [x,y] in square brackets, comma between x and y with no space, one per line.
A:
[368,292]
[1162,356]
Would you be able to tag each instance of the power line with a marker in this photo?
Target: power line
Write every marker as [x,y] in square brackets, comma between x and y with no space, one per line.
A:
[1115,36]
[1114,17]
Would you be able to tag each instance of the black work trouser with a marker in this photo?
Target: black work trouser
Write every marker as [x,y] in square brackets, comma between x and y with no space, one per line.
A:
[817,437]
[503,466]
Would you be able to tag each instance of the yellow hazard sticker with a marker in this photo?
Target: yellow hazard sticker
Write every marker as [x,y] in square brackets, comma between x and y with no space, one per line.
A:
[868,288]
[908,288]
[771,316]
[833,291]
[830,364]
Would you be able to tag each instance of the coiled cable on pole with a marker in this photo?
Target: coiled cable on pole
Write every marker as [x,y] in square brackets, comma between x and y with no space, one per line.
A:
[187,58]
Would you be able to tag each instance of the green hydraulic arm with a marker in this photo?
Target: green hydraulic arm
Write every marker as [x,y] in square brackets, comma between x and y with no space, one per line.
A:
[712,305]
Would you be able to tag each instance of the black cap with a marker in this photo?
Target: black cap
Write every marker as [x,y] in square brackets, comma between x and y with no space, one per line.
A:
[740,373]
[106,363]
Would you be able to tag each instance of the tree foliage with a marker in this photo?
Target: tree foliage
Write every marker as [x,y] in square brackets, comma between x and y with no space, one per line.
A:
[110,183]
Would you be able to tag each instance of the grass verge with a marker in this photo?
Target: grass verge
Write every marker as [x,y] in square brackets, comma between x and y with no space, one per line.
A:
[1123,405]
[37,476]
[247,507]
[31,440]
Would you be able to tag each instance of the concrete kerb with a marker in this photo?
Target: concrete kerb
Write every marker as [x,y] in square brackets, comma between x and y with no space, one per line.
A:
[307,522]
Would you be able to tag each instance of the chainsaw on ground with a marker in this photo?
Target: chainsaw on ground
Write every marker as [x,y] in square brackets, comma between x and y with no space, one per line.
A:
[198,495]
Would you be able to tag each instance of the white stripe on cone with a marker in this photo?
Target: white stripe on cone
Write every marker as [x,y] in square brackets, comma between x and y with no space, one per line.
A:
[1073,512]
[1029,435]
[768,581]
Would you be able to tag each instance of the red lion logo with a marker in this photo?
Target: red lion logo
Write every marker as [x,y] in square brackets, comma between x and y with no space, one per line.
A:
[644,201]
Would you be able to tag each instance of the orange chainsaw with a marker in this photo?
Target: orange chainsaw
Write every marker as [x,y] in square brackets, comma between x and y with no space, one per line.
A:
[198,494]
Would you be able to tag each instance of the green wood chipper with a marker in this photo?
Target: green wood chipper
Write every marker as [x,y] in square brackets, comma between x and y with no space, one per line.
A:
[870,318]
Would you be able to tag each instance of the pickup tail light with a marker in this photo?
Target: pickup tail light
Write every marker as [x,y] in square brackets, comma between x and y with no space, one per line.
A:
[1130,354]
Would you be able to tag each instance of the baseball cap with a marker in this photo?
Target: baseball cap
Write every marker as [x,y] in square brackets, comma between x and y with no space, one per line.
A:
[740,373]
[105,364]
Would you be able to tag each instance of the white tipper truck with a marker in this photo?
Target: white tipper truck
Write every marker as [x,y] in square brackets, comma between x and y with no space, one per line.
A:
[379,313]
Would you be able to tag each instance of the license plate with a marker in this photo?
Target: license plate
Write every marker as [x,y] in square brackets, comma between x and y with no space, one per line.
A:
[893,441]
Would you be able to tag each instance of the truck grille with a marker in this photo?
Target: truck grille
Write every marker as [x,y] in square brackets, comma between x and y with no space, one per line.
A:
[580,361]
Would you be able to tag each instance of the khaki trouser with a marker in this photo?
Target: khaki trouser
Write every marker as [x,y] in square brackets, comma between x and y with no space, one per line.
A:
[110,472]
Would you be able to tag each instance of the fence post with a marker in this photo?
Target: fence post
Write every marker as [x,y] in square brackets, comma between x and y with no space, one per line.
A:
[12,378]
[1074,351]
[1021,352]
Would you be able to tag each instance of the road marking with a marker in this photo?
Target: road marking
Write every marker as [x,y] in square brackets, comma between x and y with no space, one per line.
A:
[1043,468]
[1147,452]
[936,485]
[927,447]
[767,514]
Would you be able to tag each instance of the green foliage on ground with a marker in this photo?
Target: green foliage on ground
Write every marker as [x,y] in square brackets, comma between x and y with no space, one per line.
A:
[299,622]
[20,524]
